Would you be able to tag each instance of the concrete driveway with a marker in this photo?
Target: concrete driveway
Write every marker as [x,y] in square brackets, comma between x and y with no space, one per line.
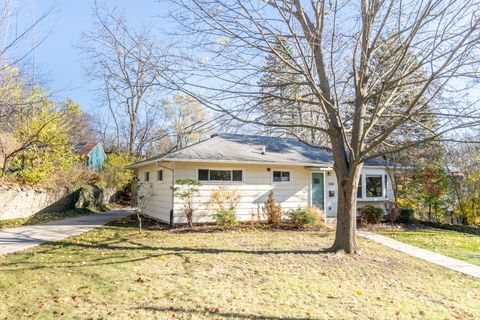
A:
[16,239]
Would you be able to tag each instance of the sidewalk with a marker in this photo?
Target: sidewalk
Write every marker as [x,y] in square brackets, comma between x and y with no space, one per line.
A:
[16,239]
[436,258]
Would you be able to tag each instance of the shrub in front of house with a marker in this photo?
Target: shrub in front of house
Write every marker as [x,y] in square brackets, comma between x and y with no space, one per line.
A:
[371,214]
[303,217]
[392,215]
[226,218]
[225,202]
[272,210]
[320,214]
[186,189]
[407,215]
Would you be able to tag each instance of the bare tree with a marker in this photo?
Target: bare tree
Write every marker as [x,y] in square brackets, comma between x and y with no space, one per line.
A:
[367,97]
[121,60]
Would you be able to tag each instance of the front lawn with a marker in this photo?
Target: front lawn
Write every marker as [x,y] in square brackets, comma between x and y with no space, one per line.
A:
[454,244]
[115,272]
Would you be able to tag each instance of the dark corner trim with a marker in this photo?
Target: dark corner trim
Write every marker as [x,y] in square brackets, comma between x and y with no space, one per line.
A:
[171,218]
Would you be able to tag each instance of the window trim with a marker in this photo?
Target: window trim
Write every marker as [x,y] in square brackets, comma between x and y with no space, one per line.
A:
[160,175]
[146,176]
[382,179]
[290,171]
[361,186]
[220,181]
[363,180]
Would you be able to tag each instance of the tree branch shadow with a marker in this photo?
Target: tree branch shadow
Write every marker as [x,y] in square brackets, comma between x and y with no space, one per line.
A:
[146,252]
[219,314]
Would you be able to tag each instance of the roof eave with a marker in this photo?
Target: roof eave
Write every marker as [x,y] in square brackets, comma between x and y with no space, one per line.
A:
[299,164]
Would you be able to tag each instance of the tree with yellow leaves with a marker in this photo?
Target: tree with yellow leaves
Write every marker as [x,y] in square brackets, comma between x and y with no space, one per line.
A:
[34,140]
[187,120]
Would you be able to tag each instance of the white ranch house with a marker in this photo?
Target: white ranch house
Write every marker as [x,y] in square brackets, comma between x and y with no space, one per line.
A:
[299,175]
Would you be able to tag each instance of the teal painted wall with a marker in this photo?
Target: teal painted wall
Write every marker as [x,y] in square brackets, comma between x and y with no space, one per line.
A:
[96,158]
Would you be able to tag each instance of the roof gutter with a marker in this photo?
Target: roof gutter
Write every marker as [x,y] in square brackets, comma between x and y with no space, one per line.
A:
[300,164]
[141,164]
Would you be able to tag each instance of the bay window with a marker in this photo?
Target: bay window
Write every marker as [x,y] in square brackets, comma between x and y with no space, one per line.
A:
[371,186]
[360,188]
[374,186]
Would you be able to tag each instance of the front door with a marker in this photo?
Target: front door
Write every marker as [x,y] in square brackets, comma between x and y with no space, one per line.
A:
[318,194]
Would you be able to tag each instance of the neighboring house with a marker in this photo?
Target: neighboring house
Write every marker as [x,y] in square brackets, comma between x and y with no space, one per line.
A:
[299,175]
[93,154]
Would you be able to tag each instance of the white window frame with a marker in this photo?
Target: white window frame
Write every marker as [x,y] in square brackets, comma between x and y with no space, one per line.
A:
[281,182]
[364,186]
[145,174]
[220,181]
[163,176]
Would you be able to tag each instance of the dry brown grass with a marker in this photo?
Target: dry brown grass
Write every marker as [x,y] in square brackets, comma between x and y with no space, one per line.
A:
[117,273]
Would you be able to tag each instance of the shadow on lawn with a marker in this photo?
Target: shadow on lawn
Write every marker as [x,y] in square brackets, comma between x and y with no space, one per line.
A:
[219,314]
[195,250]
[146,252]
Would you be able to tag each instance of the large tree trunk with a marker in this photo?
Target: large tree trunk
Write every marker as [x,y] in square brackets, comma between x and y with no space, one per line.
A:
[345,236]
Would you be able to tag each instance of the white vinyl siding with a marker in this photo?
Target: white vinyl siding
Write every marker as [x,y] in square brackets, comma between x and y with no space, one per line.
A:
[253,191]
[257,183]
[160,202]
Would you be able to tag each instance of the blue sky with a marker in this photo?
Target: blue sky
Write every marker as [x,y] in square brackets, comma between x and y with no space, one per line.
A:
[57,59]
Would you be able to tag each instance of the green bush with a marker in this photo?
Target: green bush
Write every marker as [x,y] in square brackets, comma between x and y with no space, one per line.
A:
[302,218]
[371,214]
[226,218]
[407,215]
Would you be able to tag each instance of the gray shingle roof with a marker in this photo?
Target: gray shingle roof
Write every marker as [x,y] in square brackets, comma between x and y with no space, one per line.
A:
[248,148]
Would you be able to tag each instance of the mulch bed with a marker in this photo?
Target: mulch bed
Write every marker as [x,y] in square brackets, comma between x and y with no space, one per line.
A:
[148,223]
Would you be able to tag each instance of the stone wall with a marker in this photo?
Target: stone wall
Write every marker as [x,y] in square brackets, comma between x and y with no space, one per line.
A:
[18,202]
[24,202]
[93,196]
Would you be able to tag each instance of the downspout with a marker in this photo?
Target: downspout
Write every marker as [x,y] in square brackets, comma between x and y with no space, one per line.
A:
[173,197]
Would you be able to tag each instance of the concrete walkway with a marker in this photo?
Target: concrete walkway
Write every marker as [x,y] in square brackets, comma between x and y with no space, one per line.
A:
[436,258]
[16,239]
